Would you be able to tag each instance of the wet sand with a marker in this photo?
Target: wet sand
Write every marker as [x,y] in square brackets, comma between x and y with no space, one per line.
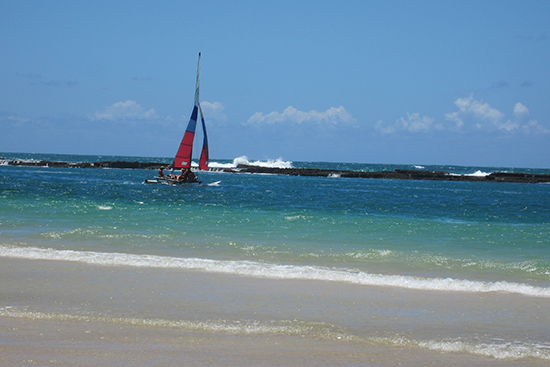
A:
[73,343]
[57,313]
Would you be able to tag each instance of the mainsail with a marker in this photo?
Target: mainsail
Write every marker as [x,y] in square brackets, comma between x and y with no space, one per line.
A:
[185,151]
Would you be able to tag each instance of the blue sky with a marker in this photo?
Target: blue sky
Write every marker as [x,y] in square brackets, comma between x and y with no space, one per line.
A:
[420,82]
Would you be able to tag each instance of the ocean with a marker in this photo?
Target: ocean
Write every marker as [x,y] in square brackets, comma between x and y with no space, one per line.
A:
[339,271]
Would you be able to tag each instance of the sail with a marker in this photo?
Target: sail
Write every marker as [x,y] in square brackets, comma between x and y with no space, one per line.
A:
[203,162]
[185,151]
[183,156]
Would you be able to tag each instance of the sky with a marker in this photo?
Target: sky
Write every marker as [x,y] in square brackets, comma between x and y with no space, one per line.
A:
[404,82]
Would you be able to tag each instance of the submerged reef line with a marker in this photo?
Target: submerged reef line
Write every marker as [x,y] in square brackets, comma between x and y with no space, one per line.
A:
[399,174]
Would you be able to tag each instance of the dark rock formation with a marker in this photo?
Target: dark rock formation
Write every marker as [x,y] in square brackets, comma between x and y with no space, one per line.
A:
[399,174]
[106,164]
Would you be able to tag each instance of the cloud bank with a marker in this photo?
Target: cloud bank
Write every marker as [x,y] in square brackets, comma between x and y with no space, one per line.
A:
[132,112]
[332,116]
[213,112]
[128,110]
[476,115]
[413,123]
[471,115]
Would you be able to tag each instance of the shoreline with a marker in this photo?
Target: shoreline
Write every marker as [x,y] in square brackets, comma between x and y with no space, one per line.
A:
[97,344]
[398,174]
[61,313]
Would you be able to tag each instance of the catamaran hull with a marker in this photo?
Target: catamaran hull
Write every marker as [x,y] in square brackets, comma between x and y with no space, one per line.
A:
[169,181]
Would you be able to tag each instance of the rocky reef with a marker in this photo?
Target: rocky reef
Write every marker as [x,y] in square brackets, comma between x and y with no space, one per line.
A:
[398,174]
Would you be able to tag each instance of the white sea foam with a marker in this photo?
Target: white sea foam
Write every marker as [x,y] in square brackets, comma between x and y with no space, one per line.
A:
[296,217]
[214,165]
[502,350]
[19,160]
[274,271]
[477,173]
[235,327]
[369,254]
[498,349]
[277,163]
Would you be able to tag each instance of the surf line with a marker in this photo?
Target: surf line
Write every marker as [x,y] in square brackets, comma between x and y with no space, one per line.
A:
[274,271]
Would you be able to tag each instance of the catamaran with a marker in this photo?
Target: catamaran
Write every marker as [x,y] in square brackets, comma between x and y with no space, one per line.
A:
[183,157]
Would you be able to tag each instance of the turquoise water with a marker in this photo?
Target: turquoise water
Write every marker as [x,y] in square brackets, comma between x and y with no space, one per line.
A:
[473,230]
[469,237]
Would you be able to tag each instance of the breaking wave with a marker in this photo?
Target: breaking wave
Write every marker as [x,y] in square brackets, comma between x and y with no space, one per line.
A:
[235,327]
[277,163]
[498,348]
[276,271]
[477,173]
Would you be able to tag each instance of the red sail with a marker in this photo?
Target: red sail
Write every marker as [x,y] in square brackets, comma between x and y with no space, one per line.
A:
[185,151]
[203,162]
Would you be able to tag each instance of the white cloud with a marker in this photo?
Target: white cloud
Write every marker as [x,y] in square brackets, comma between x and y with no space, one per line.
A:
[476,114]
[470,109]
[522,120]
[128,110]
[213,111]
[520,110]
[14,120]
[332,116]
[471,115]
[384,129]
[533,126]
[413,123]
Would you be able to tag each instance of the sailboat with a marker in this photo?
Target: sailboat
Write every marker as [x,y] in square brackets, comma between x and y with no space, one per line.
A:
[183,157]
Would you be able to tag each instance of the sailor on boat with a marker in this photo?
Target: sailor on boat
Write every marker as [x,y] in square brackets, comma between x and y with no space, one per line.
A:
[191,177]
[187,176]
[184,175]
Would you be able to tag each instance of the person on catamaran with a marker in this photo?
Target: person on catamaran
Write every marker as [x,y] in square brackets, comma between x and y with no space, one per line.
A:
[191,177]
[171,175]
[188,176]
[161,173]
[184,175]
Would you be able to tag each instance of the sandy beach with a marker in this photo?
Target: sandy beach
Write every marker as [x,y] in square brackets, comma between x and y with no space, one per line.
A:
[56,313]
[79,343]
